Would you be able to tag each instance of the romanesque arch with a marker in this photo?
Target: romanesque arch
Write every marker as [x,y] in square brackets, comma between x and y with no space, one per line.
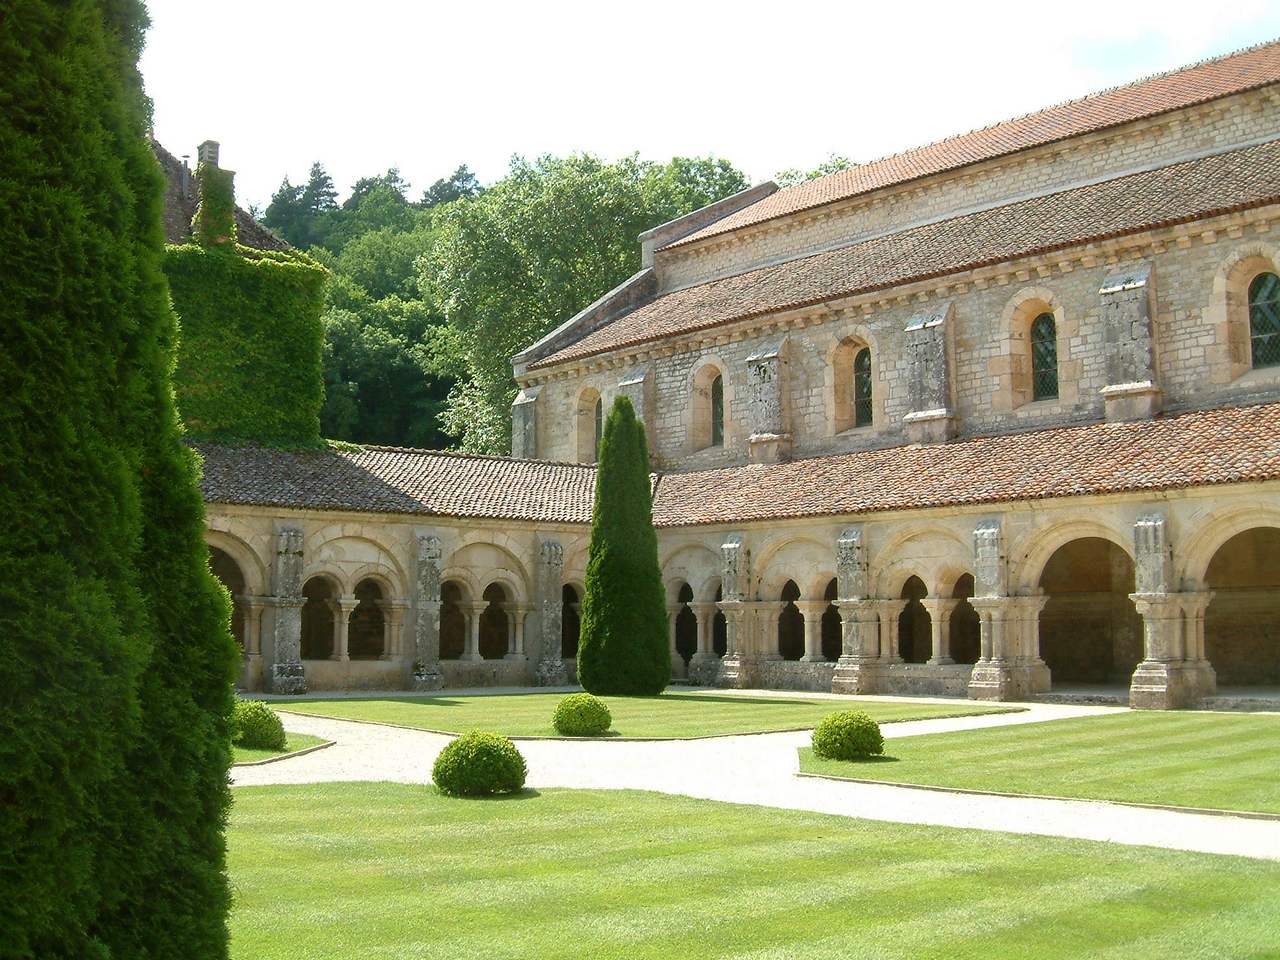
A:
[495,622]
[790,623]
[914,623]
[367,627]
[319,617]
[1242,622]
[1090,631]
[1227,312]
[1033,324]
[965,630]
[230,574]
[453,621]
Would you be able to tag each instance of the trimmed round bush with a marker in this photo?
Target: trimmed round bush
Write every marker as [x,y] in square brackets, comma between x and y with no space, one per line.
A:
[847,735]
[581,715]
[256,726]
[479,764]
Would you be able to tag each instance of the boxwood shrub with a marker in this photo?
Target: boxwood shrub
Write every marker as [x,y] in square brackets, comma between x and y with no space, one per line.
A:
[257,727]
[847,735]
[479,764]
[581,715]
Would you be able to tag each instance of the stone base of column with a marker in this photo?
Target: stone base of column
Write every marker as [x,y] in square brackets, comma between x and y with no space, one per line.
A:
[426,677]
[1164,685]
[678,670]
[991,680]
[1206,677]
[550,673]
[1030,679]
[738,672]
[704,670]
[857,676]
[288,678]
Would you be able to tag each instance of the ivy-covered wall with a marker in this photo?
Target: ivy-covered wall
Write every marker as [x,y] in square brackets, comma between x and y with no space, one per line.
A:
[251,343]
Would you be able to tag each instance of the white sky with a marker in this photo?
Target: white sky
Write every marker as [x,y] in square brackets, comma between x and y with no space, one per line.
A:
[363,86]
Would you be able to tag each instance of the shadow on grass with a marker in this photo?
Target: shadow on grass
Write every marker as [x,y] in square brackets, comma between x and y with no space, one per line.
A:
[528,793]
[862,762]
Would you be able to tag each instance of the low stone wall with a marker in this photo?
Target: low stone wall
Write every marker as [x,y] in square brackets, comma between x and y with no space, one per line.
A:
[796,675]
[355,675]
[486,673]
[926,679]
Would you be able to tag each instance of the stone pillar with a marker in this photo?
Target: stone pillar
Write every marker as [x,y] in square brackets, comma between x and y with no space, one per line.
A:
[677,661]
[549,597]
[286,672]
[940,611]
[472,611]
[253,607]
[1194,606]
[858,669]
[393,612]
[992,677]
[928,349]
[343,607]
[736,670]
[889,611]
[1164,680]
[426,625]
[524,423]
[770,439]
[812,611]
[764,633]
[517,614]
[1127,311]
[1022,645]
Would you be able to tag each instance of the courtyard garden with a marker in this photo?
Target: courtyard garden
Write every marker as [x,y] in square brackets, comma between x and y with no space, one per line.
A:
[673,715]
[383,870]
[292,744]
[1211,760]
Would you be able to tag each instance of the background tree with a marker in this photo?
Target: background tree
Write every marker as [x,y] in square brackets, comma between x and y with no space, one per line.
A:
[114,739]
[833,164]
[623,646]
[459,185]
[539,245]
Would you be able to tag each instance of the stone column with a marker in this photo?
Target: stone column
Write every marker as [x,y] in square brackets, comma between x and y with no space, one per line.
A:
[287,674]
[736,670]
[426,625]
[393,612]
[705,613]
[992,678]
[549,598]
[677,661]
[517,613]
[1163,680]
[812,611]
[472,610]
[343,607]
[889,611]
[858,669]
[253,607]
[940,611]
[1195,605]
[765,632]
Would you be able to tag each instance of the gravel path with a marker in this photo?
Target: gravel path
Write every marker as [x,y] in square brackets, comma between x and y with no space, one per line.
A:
[760,770]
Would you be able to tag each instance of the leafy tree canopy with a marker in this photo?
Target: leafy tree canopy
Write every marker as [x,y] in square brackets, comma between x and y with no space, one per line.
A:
[833,164]
[510,264]
[462,183]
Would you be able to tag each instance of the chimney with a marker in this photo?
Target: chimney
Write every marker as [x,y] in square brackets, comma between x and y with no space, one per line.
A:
[207,152]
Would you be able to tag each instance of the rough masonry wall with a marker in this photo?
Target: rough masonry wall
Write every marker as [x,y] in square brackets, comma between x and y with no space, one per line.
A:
[988,328]
[1145,143]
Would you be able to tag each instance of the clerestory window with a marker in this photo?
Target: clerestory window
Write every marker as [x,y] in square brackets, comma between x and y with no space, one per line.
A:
[862,388]
[1264,320]
[717,411]
[1044,358]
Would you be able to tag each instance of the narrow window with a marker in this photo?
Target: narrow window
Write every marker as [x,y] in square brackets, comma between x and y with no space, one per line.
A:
[1044,358]
[717,411]
[599,424]
[862,388]
[1264,320]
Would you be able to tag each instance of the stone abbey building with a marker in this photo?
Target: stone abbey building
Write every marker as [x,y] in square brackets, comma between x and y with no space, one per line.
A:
[998,415]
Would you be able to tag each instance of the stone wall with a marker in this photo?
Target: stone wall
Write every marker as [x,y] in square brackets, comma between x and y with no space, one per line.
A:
[1146,143]
[989,315]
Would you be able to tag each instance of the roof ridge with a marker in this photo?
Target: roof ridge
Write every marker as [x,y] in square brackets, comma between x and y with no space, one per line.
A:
[466,455]
[1159,75]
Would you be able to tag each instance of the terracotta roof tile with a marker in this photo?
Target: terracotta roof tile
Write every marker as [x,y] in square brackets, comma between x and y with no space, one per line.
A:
[1191,190]
[394,480]
[1225,445]
[1198,83]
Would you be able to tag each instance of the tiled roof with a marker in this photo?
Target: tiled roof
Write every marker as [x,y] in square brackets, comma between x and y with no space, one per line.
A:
[180,203]
[1199,83]
[1191,190]
[393,480]
[1226,445]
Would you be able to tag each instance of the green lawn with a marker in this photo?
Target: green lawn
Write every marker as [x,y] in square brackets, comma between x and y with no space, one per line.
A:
[1226,761]
[670,715]
[392,871]
[293,741]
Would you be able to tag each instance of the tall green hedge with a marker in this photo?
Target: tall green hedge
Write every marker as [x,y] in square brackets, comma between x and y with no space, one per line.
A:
[115,695]
[252,344]
[623,646]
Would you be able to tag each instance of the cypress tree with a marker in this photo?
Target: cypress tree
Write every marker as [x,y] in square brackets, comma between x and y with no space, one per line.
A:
[117,660]
[623,645]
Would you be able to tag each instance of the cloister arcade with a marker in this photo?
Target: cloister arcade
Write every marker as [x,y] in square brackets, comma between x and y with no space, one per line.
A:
[1072,611]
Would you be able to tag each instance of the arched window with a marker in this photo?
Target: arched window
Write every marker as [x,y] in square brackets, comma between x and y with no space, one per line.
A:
[570,622]
[453,622]
[1044,358]
[717,411]
[366,631]
[599,423]
[1264,320]
[317,619]
[862,388]
[495,628]
[790,624]
[228,571]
